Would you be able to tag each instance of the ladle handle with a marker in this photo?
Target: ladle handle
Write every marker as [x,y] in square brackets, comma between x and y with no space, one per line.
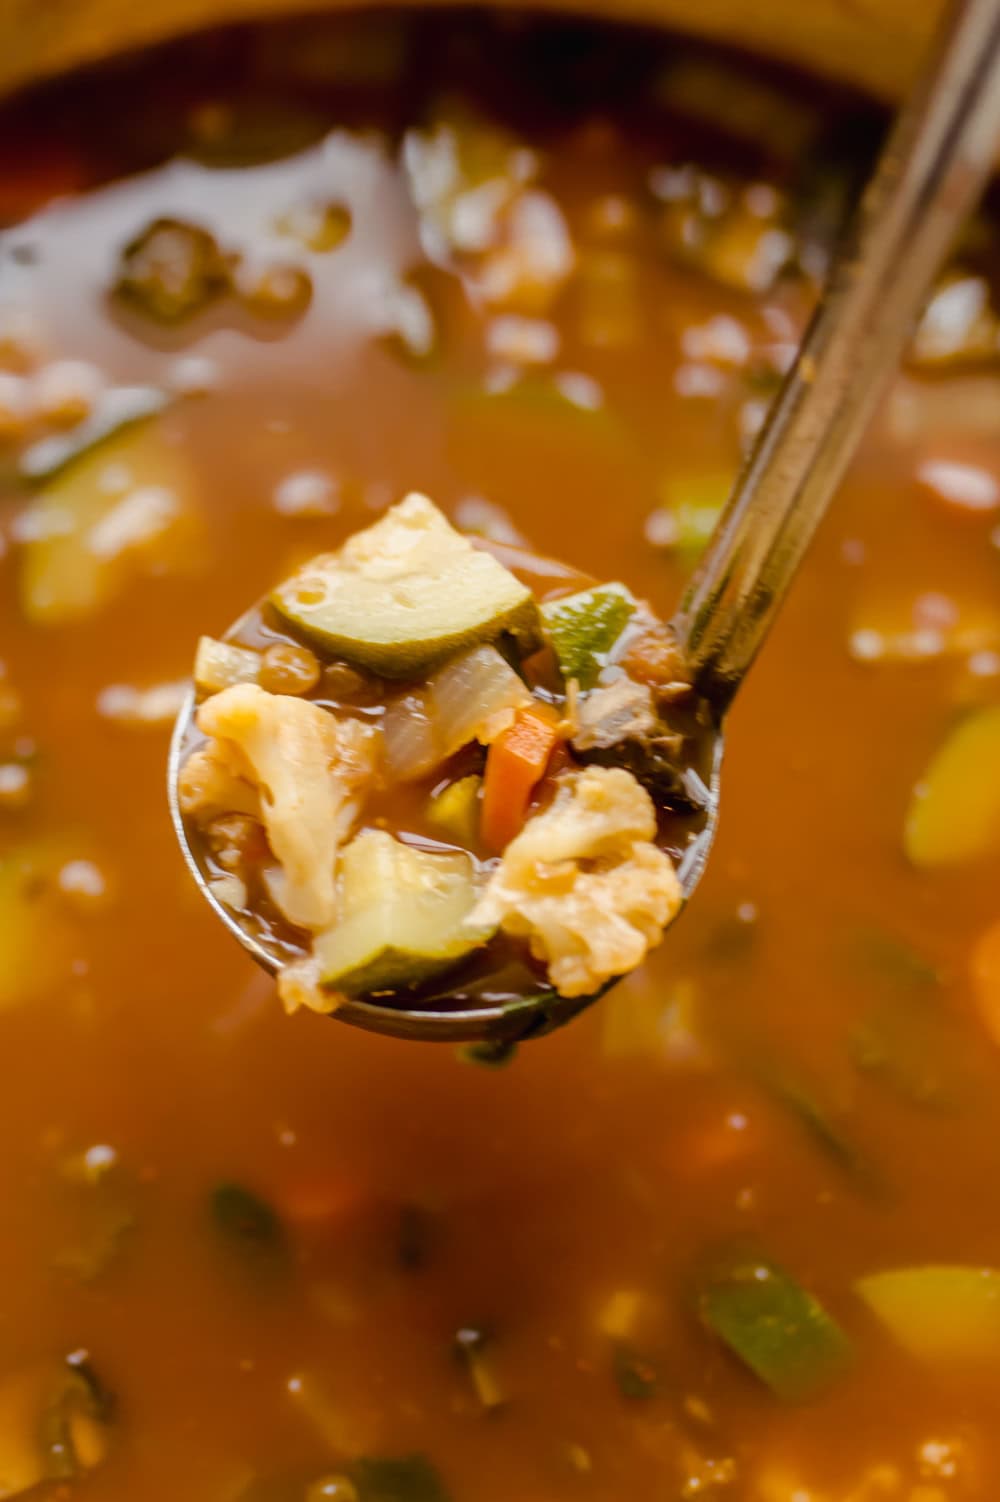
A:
[928,177]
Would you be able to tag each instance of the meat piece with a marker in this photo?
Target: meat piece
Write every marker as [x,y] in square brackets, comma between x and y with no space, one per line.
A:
[620,725]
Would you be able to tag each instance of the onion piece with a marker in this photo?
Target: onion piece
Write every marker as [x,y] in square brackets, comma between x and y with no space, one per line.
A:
[472,698]
[410,749]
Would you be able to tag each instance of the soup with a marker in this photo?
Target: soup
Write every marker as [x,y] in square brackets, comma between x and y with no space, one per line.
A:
[730,1233]
[415,766]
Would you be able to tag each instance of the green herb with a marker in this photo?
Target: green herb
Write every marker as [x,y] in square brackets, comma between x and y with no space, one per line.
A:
[250,1225]
[405,1478]
[771,1323]
[584,627]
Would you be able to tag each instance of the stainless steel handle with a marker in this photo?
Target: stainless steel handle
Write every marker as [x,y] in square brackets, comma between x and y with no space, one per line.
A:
[929,174]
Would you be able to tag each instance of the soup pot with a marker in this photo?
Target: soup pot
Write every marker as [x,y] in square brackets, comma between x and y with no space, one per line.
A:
[874,44]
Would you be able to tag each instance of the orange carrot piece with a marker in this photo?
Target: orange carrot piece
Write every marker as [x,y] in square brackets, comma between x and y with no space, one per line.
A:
[515,765]
[986,980]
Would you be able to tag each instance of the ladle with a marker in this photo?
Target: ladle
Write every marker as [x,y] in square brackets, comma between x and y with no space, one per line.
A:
[929,175]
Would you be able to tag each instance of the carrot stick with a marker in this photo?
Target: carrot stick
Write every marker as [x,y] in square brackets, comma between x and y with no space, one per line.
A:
[515,764]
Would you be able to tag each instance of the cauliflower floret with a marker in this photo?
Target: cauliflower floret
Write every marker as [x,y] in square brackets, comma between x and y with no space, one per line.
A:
[584,883]
[310,770]
[210,784]
[298,986]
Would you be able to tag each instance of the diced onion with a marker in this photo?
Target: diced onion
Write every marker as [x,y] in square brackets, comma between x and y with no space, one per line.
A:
[411,749]
[472,698]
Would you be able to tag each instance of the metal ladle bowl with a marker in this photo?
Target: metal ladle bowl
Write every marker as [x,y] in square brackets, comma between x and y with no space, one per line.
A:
[928,177]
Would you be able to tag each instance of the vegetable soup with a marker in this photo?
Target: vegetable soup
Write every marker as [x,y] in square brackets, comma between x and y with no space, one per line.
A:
[731,1233]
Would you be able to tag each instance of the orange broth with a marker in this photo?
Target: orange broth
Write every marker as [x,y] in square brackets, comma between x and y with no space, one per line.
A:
[731,1089]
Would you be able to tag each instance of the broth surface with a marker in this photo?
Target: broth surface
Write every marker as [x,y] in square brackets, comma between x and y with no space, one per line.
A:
[803,1063]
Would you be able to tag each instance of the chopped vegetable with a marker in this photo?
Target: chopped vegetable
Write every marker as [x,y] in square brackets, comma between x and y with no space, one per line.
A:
[583,628]
[405,594]
[311,769]
[473,1347]
[402,915]
[584,883]
[938,1313]
[124,509]
[404,1478]
[54,1422]
[455,809]
[771,1323]
[119,407]
[220,664]
[472,698]
[515,765]
[74,1424]
[250,1225]
[954,815]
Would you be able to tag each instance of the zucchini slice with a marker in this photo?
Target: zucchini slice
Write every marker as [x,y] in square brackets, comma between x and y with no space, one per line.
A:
[584,627]
[403,916]
[406,593]
[772,1324]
